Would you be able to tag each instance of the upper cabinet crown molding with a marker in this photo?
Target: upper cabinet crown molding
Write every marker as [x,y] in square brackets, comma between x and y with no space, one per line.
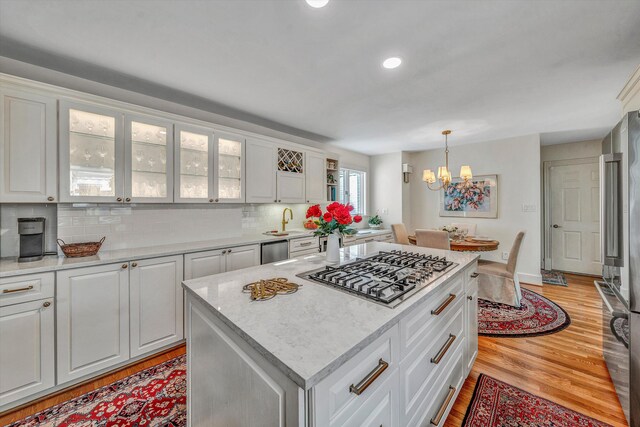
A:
[28,147]
[629,96]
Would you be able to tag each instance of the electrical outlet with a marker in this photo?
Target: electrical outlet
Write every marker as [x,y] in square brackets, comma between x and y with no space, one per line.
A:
[385,211]
[505,255]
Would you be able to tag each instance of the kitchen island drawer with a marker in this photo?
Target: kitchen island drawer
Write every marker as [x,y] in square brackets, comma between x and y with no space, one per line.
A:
[442,397]
[415,326]
[30,287]
[344,391]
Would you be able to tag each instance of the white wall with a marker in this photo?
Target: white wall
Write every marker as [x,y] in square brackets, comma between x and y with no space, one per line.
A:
[516,161]
[571,150]
[386,188]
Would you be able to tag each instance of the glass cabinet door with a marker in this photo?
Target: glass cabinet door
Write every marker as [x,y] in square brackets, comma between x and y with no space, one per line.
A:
[194,165]
[91,154]
[149,160]
[229,168]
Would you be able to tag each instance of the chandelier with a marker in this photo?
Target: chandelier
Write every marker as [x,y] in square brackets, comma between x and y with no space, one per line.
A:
[444,173]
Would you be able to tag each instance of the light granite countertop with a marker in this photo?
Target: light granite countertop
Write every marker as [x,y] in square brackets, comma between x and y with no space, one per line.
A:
[310,333]
[11,267]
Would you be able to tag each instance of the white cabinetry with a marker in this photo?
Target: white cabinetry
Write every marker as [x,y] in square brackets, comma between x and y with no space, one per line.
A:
[471,317]
[315,176]
[156,303]
[200,264]
[291,176]
[261,171]
[229,165]
[28,147]
[92,319]
[91,153]
[194,171]
[27,360]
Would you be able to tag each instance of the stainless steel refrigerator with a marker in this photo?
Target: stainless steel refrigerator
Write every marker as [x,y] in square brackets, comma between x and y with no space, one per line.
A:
[620,254]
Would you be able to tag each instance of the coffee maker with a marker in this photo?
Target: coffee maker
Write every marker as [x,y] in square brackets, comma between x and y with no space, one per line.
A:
[31,231]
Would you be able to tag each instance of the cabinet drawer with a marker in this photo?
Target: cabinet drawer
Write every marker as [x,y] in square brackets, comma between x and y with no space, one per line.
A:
[384,238]
[32,287]
[335,396]
[443,395]
[427,360]
[416,325]
[303,244]
[380,409]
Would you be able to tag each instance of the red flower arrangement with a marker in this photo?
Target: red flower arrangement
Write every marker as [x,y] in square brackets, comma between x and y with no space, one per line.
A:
[337,217]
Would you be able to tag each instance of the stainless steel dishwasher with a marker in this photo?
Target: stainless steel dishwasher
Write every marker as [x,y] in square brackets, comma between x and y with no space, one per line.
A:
[274,251]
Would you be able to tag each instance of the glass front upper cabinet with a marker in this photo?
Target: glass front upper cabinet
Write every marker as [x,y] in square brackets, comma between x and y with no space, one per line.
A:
[229,168]
[149,160]
[91,154]
[194,165]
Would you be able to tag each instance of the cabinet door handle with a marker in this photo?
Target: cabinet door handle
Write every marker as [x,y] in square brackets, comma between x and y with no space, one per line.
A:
[444,305]
[224,252]
[10,291]
[444,349]
[50,198]
[436,421]
[119,199]
[470,298]
[474,275]
[216,200]
[210,200]
[125,265]
[46,304]
[128,199]
[369,379]
[276,201]
[229,251]
[134,264]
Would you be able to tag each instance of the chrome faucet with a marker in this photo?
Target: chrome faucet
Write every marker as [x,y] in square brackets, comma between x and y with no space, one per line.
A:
[285,222]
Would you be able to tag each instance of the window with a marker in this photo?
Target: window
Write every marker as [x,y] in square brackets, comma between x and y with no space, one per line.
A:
[351,189]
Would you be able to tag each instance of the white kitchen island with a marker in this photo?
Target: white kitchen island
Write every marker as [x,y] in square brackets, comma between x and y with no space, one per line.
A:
[324,357]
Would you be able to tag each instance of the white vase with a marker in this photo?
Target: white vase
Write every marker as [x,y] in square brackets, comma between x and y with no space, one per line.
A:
[333,248]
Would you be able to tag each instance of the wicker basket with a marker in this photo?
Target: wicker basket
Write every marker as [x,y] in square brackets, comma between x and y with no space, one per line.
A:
[75,250]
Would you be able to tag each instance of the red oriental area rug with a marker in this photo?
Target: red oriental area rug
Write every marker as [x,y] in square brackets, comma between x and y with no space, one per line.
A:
[536,315]
[498,404]
[155,397]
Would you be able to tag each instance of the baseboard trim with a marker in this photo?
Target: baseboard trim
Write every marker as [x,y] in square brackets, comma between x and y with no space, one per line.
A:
[530,279]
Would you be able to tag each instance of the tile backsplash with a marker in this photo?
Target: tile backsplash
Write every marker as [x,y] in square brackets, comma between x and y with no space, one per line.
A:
[145,225]
[9,214]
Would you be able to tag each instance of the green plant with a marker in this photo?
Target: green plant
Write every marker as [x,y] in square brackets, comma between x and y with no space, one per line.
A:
[375,220]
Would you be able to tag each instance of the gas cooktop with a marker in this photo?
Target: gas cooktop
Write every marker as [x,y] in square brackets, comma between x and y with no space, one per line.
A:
[387,278]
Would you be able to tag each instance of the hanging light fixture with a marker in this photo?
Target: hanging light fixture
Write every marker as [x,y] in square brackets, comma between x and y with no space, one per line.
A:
[444,173]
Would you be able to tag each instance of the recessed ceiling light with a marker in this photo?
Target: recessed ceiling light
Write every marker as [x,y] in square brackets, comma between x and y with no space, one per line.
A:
[393,62]
[317,3]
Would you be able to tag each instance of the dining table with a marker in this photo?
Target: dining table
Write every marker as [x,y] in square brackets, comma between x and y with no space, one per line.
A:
[468,244]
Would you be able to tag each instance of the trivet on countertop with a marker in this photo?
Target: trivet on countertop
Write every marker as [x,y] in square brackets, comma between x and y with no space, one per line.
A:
[269,288]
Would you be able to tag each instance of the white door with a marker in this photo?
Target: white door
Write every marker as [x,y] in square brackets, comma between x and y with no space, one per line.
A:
[230,168]
[27,359]
[315,178]
[92,319]
[91,153]
[291,187]
[28,147]
[194,161]
[261,171]
[242,257]
[148,160]
[575,218]
[156,303]
[201,264]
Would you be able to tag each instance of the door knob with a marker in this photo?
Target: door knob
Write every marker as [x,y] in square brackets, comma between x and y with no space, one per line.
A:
[556,226]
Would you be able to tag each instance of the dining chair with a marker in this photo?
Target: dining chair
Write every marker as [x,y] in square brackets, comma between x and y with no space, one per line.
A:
[471,228]
[400,234]
[497,281]
[433,239]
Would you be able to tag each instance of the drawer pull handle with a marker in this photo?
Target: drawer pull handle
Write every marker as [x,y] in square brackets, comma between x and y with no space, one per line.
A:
[444,305]
[10,291]
[369,379]
[474,275]
[438,418]
[306,244]
[444,349]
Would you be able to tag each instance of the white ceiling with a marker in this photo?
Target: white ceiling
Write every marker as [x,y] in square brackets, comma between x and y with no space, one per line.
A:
[486,69]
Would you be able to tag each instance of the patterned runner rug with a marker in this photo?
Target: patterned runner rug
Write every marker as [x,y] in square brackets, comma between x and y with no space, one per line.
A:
[536,315]
[155,397]
[552,277]
[498,404]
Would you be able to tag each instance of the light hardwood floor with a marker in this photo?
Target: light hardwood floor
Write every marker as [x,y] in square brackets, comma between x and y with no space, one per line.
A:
[566,367]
